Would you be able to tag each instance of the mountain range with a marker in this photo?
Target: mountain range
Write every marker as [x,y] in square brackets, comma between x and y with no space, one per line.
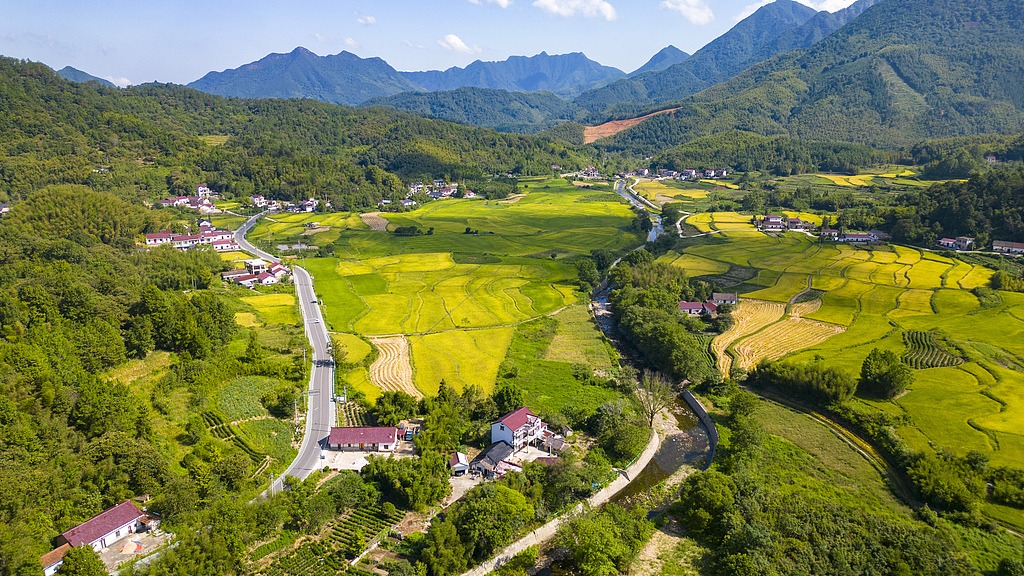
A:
[901,71]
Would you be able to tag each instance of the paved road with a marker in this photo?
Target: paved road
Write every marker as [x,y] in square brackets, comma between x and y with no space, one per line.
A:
[320,413]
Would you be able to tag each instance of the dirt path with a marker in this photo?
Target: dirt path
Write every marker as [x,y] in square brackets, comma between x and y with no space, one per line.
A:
[392,370]
[592,133]
[375,221]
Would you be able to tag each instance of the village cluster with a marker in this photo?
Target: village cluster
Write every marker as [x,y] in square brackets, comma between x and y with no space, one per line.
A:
[436,190]
[687,174]
[516,438]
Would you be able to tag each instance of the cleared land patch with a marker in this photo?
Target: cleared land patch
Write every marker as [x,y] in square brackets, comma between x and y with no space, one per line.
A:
[578,340]
[274,308]
[375,221]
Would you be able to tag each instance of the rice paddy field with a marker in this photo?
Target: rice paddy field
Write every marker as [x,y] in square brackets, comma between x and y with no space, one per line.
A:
[312,227]
[455,296]
[968,359]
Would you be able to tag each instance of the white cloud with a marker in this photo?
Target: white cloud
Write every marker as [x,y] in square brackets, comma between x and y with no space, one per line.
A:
[351,42]
[750,9]
[119,80]
[589,8]
[499,3]
[453,43]
[366,20]
[696,11]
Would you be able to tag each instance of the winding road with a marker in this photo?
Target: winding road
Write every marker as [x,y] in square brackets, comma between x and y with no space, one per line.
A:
[320,410]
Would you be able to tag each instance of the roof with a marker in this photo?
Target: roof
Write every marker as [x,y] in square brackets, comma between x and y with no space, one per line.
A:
[547,460]
[1007,244]
[458,459]
[496,453]
[363,435]
[516,419]
[772,217]
[687,306]
[858,235]
[711,306]
[829,231]
[724,296]
[54,556]
[103,524]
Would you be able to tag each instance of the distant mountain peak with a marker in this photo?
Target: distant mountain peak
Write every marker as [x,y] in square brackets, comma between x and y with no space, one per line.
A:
[665,58]
[76,75]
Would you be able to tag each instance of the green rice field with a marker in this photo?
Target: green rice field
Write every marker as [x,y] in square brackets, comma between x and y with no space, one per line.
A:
[457,296]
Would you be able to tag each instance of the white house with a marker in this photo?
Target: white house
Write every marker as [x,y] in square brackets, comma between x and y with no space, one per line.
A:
[518,429]
[458,464]
[1008,247]
[725,298]
[256,266]
[368,438]
[100,532]
[258,200]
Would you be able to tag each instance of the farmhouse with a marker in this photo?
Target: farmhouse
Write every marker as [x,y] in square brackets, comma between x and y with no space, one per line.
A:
[258,200]
[958,243]
[458,464]
[856,237]
[518,429]
[219,240]
[256,266]
[100,532]
[494,462]
[4,209]
[369,438]
[725,298]
[771,222]
[1008,247]
[829,234]
[698,308]
[798,224]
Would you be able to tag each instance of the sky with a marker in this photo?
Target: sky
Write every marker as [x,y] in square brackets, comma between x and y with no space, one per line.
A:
[181,40]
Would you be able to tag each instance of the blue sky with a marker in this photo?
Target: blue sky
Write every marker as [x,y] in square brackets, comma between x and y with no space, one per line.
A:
[179,41]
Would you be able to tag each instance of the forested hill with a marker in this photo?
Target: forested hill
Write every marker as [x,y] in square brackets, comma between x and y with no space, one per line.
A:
[342,78]
[756,38]
[523,112]
[76,75]
[144,142]
[902,71]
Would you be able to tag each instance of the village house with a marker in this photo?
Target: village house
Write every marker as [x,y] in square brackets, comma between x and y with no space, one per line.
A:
[364,438]
[203,191]
[720,298]
[856,237]
[689,173]
[219,240]
[798,224]
[256,266]
[698,308]
[771,223]
[203,205]
[958,243]
[518,429]
[4,209]
[458,464]
[258,200]
[829,234]
[1008,247]
[494,462]
[99,532]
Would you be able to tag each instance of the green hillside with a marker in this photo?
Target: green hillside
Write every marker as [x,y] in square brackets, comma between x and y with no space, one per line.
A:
[903,71]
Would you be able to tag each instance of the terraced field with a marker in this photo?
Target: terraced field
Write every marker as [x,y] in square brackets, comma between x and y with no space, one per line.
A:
[392,369]
[455,296]
[888,297]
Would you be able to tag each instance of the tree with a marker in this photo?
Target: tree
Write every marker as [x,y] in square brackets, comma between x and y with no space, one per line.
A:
[82,561]
[884,375]
[509,397]
[587,272]
[654,395]
[393,407]
[1010,567]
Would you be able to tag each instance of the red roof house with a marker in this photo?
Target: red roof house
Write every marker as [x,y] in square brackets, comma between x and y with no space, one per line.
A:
[518,428]
[106,528]
[369,438]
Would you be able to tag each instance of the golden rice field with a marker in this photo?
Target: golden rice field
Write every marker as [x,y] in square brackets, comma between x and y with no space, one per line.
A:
[869,298]
[274,308]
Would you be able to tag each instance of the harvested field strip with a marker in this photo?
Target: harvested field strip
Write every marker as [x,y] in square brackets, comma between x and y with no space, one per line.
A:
[375,221]
[392,370]
[782,338]
[750,316]
[925,351]
[801,309]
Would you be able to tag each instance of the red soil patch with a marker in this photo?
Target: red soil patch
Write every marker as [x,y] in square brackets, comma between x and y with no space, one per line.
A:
[592,133]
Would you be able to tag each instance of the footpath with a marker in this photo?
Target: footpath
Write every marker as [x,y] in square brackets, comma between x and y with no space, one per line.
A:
[547,531]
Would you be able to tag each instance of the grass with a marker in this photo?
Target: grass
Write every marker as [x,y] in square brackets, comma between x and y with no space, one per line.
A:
[240,399]
[215,139]
[579,340]
[549,385]
[274,308]
[271,437]
[355,349]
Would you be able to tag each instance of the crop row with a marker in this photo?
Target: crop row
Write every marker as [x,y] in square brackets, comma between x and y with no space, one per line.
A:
[224,431]
[923,351]
[354,414]
[314,557]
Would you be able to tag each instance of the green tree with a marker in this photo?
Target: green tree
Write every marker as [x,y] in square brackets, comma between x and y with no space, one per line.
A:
[509,397]
[82,561]
[884,375]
